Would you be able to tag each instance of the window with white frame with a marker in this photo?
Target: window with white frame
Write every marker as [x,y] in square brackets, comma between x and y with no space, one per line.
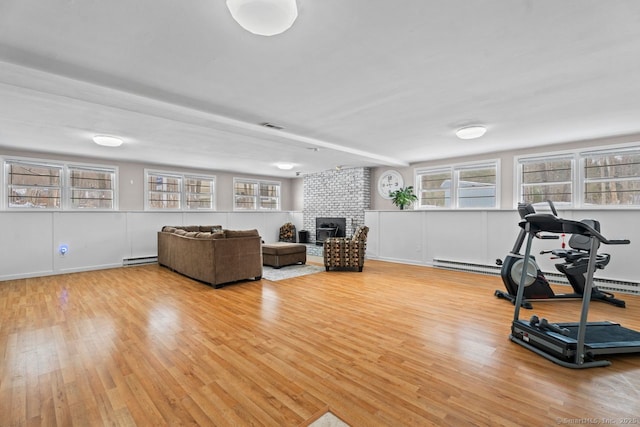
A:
[546,178]
[91,188]
[33,185]
[163,190]
[611,178]
[199,192]
[604,178]
[459,186]
[176,191]
[256,195]
[476,186]
[40,184]
[434,188]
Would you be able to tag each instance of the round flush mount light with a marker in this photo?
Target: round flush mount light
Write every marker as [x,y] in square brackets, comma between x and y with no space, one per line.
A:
[285,166]
[107,141]
[471,132]
[264,17]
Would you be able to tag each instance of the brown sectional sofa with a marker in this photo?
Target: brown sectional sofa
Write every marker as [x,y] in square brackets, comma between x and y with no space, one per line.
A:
[211,254]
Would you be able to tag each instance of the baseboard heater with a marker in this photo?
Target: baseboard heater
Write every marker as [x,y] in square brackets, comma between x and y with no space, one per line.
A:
[139,261]
[553,277]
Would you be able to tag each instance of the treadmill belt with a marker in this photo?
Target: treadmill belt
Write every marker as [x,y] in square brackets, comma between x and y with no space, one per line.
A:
[610,334]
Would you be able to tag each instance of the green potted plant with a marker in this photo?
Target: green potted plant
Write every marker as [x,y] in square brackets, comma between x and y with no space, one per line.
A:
[403,197]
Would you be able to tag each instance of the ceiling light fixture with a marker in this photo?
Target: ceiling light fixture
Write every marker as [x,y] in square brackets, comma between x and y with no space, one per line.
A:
[471,132]
[264,17]
[285,166]
[107,141]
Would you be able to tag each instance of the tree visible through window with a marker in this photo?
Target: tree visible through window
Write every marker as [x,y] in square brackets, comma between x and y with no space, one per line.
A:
[434,189]
[612,178]
[547,179]
[199,192]
[256,195]
[33,185]
[91,188]
[163,191]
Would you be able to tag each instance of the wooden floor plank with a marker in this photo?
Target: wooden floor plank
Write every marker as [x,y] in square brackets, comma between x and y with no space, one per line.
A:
[392,345]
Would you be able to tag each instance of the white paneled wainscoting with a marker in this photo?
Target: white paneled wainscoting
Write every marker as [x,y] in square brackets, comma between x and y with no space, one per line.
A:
[472,240]
[45,242]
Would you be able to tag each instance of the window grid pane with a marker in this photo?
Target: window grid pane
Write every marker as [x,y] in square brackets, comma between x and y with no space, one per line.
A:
[91,189]
[547,179]
[435,189]
[34,185]
[245,188]
[164,191]
[270,203]
[244,202]
[199,192]
[611,179]
[477,187]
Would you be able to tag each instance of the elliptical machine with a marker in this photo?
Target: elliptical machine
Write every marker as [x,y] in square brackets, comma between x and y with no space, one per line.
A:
[536,284]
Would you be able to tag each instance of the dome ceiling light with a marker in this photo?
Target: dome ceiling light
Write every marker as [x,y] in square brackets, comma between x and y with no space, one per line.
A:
[107,141]
[264,17]
[471,132]
[285,166]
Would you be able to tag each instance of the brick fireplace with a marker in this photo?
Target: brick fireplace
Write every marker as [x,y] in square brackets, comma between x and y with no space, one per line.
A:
[343,194]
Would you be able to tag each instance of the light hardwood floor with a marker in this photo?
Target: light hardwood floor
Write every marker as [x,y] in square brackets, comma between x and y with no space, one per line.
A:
[395,345]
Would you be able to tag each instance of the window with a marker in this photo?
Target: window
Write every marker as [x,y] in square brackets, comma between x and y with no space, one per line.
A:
[199,192]
[163,191]
[476,186]
[434,189]
[604,178]
[459,186]
[174,191]
[269,196]
[612,178]
[543,179]
[91,188]
[35,184]
[256,195]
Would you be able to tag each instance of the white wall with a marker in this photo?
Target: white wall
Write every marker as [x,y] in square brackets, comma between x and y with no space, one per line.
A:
[96,240]
[476,236]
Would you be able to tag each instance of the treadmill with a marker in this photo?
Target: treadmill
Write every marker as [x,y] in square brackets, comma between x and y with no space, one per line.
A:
[572,345]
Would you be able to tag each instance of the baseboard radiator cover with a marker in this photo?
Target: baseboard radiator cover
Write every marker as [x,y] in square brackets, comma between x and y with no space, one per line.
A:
[126,262]
[553,277]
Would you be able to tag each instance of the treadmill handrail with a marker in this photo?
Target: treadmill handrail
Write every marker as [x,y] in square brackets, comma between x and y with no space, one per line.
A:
[552,224]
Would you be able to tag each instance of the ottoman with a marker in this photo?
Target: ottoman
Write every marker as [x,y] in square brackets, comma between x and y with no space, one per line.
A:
[280,254]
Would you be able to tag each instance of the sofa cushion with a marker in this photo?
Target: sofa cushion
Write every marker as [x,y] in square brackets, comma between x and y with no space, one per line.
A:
[191,233]
[168,229]
[218,235]
[191,227]
[230,234]
[180,232]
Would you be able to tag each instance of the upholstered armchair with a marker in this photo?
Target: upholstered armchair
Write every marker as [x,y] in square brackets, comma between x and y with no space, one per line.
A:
[346,253]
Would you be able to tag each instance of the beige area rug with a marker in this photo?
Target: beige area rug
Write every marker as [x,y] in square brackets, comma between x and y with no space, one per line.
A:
[328,420]
[275,274]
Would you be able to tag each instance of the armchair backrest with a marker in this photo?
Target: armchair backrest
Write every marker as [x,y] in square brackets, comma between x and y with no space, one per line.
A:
[360,233]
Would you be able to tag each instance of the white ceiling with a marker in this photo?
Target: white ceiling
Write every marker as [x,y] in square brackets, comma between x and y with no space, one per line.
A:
[369,82]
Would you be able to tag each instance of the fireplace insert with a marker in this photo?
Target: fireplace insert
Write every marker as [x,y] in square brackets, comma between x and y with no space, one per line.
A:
[329,227]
